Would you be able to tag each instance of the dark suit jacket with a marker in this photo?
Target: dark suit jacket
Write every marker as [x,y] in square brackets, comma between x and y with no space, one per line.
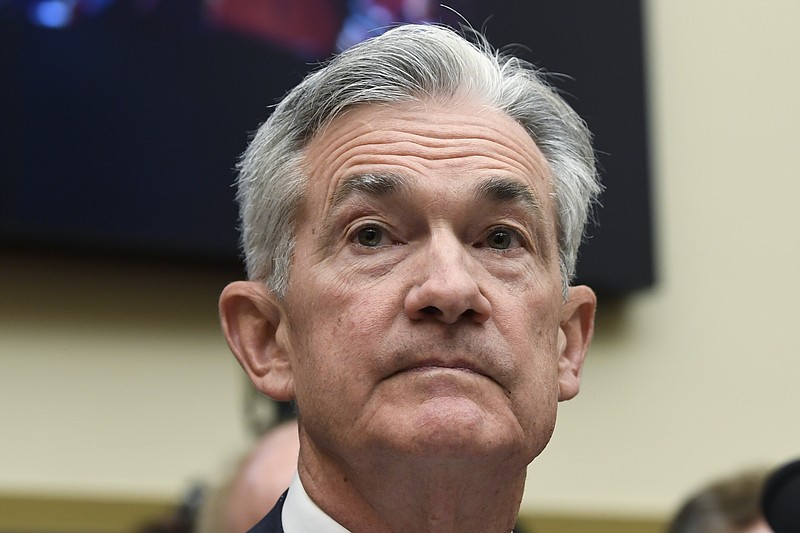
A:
[272,522]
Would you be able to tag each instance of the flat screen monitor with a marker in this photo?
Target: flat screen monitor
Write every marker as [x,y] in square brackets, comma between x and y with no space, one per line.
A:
[121,121]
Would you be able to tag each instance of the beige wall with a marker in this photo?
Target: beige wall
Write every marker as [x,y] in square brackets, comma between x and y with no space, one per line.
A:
[114,379]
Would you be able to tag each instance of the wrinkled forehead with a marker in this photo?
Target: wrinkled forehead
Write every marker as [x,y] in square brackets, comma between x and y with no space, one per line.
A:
[449,140]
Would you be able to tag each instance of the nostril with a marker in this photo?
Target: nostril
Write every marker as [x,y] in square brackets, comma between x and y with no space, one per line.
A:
[431,310]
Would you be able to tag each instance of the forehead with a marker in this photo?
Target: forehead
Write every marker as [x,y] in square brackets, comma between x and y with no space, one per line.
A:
[428,142]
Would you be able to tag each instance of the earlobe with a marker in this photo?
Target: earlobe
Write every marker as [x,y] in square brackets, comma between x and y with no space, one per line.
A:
[574,336]
[255,326]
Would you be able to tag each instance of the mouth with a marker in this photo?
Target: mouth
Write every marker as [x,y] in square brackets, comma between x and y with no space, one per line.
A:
[434,364]
[450,366]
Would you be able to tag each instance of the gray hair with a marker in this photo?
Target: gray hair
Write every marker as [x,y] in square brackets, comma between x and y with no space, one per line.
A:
[412,62]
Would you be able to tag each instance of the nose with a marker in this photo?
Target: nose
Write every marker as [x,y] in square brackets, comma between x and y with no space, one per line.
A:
[446,289]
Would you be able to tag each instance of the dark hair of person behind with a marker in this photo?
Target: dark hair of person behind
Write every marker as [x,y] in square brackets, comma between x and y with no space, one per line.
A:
[726,506]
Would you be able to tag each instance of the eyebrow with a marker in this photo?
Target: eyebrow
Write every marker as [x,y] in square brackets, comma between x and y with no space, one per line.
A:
[375,185]
[498,190]
[503,190]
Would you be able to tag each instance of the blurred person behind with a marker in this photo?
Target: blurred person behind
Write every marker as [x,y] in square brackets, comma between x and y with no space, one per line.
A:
[255,485]
[728,505]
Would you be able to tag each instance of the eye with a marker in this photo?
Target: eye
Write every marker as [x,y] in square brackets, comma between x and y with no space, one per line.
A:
[502,239]
[370,236]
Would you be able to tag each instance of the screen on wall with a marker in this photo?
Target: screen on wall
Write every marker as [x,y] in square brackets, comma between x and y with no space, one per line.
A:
[122,120]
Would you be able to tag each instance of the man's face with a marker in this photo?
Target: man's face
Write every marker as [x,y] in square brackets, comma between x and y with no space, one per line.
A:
[425,296]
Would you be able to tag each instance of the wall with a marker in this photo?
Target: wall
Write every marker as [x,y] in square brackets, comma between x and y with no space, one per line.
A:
[114,378]
[115,381]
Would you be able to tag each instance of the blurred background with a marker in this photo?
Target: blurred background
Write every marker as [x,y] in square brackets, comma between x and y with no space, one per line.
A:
[121,124]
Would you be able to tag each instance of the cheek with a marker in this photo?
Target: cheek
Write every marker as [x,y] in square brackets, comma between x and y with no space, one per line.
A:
[351,302]
[530,324]
[336,329]
[530,327]
[338,360]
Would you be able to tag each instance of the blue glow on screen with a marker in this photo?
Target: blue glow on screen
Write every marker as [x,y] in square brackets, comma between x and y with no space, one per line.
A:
[51,13]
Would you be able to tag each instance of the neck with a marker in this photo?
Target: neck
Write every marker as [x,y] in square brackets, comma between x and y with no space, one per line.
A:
[415,494]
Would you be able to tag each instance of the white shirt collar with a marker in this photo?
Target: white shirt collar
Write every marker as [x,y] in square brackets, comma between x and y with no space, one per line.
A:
[301,515]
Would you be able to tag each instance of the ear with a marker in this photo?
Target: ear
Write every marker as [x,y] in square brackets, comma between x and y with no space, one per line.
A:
[255,326]
[574,336]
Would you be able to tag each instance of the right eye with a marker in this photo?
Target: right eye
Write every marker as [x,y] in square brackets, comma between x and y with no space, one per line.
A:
[370,236]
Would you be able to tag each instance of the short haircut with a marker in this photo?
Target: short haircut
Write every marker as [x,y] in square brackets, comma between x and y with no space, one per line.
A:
[407,63]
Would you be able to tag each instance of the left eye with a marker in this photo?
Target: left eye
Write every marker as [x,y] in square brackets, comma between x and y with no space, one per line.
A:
[502,239]
[370,236]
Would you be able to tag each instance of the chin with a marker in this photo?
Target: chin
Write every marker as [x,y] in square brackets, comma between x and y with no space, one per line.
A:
[457,428]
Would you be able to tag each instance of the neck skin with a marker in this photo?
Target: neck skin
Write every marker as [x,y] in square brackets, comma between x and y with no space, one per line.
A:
[424,494]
